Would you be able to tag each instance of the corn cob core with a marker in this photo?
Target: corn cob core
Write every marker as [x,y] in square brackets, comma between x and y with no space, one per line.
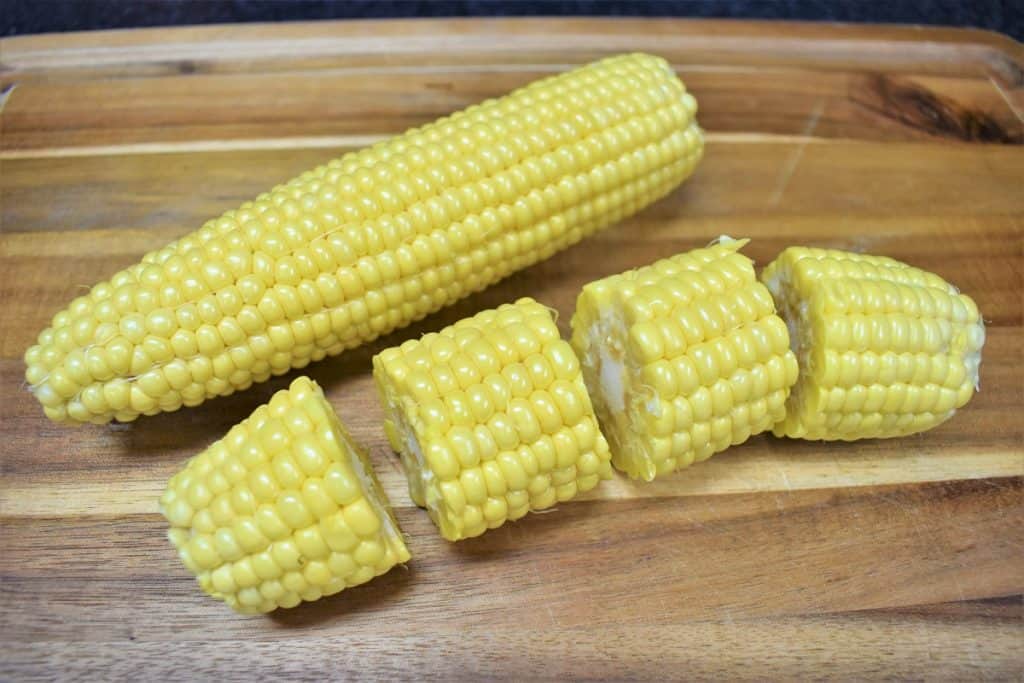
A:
[885,349]
[491,419]
[683,358]
[370,242]
[285,508]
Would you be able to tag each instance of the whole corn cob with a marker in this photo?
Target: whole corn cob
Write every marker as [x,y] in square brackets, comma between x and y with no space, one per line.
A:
[884,349]
[370,242]
[285,508]
[682,358]
[491,418]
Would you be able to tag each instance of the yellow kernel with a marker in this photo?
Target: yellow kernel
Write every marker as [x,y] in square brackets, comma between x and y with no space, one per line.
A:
[546,411]
[443,460]
[337,534]
[286,555]
[201,550]
[317,498]
[292,510]
[243,574]
[526,424]
[369,553]
[341,564]
[311,543]
[316,573]
[454,498]
[563,360]
[223,580]
[342,485]
[494,478]
[361,518]
[495,510]
[474,486]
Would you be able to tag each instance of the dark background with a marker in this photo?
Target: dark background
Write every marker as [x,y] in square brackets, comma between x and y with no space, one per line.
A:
[42,16]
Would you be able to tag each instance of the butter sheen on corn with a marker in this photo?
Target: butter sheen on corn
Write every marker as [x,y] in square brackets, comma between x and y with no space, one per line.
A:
[491,418]
[683,358]
[370,242]
[885,349]
[284,508]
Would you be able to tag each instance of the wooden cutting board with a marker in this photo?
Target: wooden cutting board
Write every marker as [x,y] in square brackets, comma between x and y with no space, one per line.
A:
[774,560]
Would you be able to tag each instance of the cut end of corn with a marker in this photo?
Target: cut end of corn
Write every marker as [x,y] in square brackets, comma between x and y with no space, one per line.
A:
[491,418]
[370,242]
[283,509]
[683,358]
[885,349]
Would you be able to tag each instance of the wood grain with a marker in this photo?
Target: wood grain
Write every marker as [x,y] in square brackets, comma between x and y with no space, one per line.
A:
[778,559]
[218,107]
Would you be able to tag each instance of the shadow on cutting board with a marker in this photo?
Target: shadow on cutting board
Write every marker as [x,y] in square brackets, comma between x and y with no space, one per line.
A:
[374,595]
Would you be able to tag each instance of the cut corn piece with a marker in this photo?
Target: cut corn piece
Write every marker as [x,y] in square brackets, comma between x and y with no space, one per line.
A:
[370,242]
[682,358]
[285,508]
[885,349]
[491,418]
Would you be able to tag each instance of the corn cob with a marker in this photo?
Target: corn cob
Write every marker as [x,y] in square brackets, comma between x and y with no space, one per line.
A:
[884,349]
[370,242]
[285,508]
[491,419]
[682,358]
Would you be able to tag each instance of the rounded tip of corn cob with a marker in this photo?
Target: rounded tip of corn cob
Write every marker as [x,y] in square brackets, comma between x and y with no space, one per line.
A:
[370,242]
[682,358]
[885,349]
[284,508]
[491,419]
